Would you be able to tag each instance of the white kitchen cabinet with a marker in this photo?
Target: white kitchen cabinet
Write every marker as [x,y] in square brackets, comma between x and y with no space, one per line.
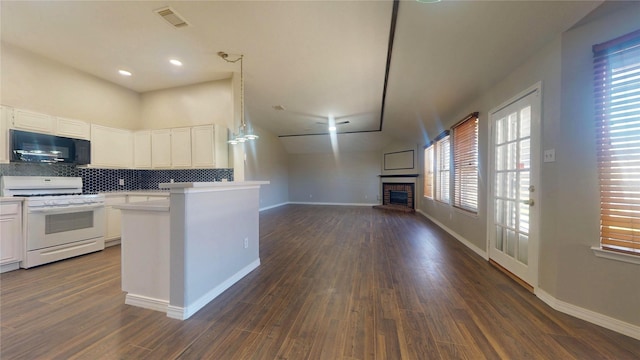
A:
[113,221]
[158,197]
[171,148]
[221,147]
[33,121]
[161,148]
[209,147]
[181,147]
[202,146]
[5,116]
[10,235]
[146,197]
[111,147]
[76,129]
[136,198]
[142,149]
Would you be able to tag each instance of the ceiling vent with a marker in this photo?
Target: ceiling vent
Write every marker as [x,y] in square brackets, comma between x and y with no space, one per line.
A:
[172,17]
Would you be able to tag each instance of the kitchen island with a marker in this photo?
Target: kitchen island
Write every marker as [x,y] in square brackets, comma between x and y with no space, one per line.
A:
[180,254]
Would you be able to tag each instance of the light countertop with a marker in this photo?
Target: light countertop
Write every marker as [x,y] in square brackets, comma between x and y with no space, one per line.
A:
[151,205]
[218,185]
[145,192]
[11,199]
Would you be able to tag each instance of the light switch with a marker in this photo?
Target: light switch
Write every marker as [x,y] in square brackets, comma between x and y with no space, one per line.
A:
[550,155]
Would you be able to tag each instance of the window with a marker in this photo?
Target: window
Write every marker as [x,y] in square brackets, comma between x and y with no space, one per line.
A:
[465,164]
[428,171]
[443,154]
[617,100]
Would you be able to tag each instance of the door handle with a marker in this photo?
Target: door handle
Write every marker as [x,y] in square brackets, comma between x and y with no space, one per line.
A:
[529,202]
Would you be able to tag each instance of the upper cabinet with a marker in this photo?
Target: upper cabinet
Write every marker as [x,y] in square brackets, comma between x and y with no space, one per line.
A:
[161,148]
[33,121]
[222,147]
[202,146]
[111,147]
[73,128]
[171,148]
[209,146]
[5,116]
[181,148]
[142,149]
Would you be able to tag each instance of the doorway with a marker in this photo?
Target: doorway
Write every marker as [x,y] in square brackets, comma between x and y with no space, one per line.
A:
[514,145]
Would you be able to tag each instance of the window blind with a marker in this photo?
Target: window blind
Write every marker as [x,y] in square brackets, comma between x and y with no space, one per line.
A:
[443,154]
[617,101]
[465,163]
[428,171]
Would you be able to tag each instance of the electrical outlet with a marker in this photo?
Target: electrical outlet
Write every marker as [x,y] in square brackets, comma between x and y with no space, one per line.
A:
[121,182]
[246,242]
[550,155]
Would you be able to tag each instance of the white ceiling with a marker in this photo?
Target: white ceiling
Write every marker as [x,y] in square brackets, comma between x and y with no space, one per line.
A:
[316,58]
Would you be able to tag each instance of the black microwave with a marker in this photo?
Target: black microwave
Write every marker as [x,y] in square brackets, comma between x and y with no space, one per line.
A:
[43,148]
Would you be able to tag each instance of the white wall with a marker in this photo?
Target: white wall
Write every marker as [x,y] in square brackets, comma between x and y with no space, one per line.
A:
[346,178]
[399,151]
[545,67]
[605,286]
[29,81]
[568,190]
[199,104]
[268,160]
[32,82]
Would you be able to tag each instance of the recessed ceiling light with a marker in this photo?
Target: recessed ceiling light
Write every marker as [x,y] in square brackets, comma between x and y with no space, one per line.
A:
[332,128]
[176,62]
[124,72]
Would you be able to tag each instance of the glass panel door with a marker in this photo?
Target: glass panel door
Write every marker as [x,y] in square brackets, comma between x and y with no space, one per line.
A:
[513,192]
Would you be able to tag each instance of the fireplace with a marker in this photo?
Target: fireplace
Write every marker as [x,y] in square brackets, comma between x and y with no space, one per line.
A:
[398,196]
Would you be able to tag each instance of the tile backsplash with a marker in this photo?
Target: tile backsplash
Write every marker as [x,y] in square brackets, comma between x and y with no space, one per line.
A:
[101,180]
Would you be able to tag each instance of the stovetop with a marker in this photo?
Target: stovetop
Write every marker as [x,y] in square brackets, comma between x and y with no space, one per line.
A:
[40,195]
[59,200]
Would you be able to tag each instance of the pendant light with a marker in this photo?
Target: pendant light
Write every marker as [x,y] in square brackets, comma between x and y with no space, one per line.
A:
[243,133]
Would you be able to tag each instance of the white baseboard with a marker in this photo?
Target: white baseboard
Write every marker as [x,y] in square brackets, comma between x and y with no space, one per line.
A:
[589,315]
[331,203]
[559,305]
[183,313]
[459,237]
[273,206]
[146,302]
[112,242]
[176,312]
[10,267]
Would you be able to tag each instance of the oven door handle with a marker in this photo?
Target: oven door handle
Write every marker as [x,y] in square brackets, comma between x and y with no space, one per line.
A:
[65,209]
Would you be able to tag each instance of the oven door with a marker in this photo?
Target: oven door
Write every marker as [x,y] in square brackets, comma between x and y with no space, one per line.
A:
[47,227]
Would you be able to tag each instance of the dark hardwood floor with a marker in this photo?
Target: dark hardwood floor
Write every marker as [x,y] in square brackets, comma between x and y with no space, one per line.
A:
[335,283]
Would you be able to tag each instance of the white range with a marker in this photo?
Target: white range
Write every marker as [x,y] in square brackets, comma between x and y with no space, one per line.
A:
[59,221]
